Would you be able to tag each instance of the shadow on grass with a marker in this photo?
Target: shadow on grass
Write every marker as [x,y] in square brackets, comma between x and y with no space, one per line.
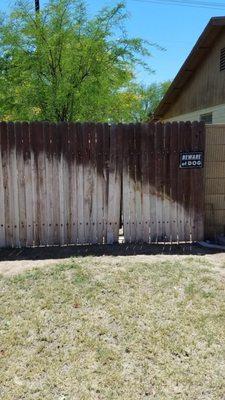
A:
[55,252]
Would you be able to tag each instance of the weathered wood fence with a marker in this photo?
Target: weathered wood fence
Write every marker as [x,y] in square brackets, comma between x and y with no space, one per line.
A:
[70,183]
[214,175]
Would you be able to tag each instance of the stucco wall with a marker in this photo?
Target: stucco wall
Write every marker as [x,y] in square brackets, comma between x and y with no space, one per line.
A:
[218,115]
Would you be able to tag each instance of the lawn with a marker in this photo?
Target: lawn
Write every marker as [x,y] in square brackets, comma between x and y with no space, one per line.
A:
[124,328]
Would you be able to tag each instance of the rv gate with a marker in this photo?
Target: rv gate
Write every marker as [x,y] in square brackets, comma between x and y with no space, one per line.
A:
[63,183]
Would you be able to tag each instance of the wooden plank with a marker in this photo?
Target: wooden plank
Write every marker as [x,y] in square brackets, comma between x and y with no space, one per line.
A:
[181,184]
[13,187]
[167,225]
[93,183]
[138,183]
[2,188]
[187,186]
[119,177]
[126,184]
[42,187]
[87,182]
[56,159]
[38,182]
[106,150]
[184,187]
[218,201]
[34,168]
[216,218]
[79,184]
[197,185]
[62,196]
[152,184]
[159,180]
[101,184]
[19,137]
[201,186]
[214,169]
[72,135]
[145,194]
[7,184]
[214,153]
[215,185]
[49,194]
[174,165]
[114,185]
[65,165]
[111,186]
[28,183]
[215,135]
[132,183]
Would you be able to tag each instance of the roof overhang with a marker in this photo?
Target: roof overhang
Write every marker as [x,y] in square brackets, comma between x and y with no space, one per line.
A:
[199,51]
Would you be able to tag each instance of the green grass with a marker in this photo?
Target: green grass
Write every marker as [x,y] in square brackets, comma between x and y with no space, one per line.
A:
[114,328]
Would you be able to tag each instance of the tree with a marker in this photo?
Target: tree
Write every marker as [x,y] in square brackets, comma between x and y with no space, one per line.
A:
[148,99]
[60,65]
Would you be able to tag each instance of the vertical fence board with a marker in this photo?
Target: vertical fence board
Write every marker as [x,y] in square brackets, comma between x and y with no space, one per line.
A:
[174,163]
[100,184]
[20,148]
[2,188]
[35,147]
[198,143]
[181,184]
[94,185]
[187,186]
[158,182]
[80,185]
[106,156]
[114,185]
[28,183]
[42,186]
[152,184]
[88,192]
[63,183]
[138,184]
[166,188]
[145,199]
[6,184]
[49,183]
[13,188]
[56,148]
[126,185]
[132,183]
[72,137]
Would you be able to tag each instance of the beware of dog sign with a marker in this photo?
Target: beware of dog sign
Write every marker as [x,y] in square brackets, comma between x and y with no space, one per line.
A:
[191,159]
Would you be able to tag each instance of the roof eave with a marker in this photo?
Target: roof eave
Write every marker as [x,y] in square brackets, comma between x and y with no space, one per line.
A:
[201,48]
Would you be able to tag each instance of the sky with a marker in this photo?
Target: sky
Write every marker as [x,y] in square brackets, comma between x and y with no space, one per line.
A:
[175,28]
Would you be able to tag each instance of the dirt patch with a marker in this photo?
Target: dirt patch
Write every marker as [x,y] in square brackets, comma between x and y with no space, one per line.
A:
[15,261]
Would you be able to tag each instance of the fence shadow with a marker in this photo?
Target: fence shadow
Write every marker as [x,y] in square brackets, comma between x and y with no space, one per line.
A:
[44,253]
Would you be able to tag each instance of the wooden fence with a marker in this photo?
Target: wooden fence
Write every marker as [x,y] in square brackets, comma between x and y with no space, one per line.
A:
[215,181]
[70,183]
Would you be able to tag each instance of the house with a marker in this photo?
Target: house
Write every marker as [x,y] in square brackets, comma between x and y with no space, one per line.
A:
[198,91]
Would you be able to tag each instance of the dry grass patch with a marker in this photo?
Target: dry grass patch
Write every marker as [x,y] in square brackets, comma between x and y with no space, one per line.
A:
[114,328]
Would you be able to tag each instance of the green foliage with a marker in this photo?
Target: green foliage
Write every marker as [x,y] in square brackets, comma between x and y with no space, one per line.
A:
[140,101]
[61,65]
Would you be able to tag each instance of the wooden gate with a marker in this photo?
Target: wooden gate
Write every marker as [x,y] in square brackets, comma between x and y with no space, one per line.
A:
[162,202]
[63,183]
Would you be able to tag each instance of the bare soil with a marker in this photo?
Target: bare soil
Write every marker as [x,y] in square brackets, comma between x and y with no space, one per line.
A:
[14,261]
